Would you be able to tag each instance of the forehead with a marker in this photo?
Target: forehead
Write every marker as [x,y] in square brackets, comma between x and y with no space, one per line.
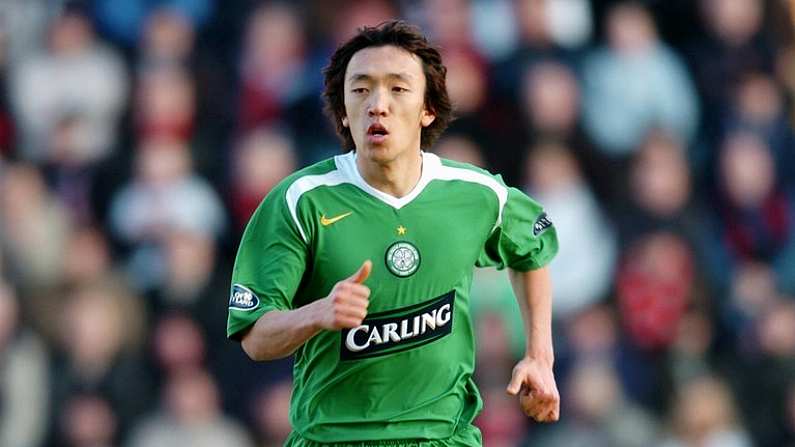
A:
[384,61]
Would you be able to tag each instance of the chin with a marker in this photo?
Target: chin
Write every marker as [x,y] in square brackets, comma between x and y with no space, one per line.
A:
[377,153]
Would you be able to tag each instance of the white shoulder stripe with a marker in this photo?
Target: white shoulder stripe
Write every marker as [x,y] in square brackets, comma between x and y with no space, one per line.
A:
[450,173]
[306,184]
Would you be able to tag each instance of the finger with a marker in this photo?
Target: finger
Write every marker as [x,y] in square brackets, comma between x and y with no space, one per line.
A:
[359,290]
[548,416]
[347,322]
[358,302]
[364,271]
[351,311]
[516,383]
[542,417]
[531,405]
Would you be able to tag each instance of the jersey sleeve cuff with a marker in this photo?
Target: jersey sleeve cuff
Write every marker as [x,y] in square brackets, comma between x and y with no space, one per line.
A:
[238,324]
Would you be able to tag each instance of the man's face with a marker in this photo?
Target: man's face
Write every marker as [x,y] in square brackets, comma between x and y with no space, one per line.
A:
[385,102]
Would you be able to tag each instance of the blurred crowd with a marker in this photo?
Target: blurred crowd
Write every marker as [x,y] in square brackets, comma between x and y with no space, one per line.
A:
[138,136]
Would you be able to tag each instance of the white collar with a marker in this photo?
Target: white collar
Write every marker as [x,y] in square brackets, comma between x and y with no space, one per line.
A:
[346,163]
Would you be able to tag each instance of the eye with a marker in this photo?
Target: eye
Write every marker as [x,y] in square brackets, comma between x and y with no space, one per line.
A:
[397,89]
[359,90]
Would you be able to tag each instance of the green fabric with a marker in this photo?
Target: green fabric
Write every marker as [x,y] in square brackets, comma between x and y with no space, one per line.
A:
[407,372]
[468,436]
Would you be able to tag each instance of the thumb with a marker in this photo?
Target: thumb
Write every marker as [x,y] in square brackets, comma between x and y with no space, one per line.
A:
[516,384]
[364,271]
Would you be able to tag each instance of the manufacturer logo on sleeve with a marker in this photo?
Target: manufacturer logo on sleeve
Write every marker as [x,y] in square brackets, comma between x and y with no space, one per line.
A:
[399,329]
[242,298]
[542,223]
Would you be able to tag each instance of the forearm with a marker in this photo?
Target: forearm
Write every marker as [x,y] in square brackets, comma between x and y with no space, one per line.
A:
[278,334]
[533,291]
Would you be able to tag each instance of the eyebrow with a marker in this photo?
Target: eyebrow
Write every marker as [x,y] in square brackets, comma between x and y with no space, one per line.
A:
[403,76]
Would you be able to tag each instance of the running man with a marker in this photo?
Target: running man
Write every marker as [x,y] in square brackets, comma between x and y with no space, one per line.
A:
[361,265]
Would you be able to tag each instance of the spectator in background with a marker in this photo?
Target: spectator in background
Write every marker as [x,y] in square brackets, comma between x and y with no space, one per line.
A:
[194,272]
[735,44]
[467,84]
[77,85]
[101,330]
[191,416]
[264,156]
[270,410]
[164,195]
[690,355]
[554,178]
[168,38]
[273,68]
[500,423]
[757,106]
[345,20]
[599,413]
[178,345]
[764,372]
[753,214]
[24,27]
[165,104]
[89,259]
[655,285]
[704,414]
[88,420]
[538,25]
[449,24]
[124,22]
[34,229]
[659,186]
[634,84]
[550,104]
[24,377]
[460,148]
[662,197]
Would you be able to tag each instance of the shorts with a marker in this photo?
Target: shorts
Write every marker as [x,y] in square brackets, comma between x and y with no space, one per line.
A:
[468,436]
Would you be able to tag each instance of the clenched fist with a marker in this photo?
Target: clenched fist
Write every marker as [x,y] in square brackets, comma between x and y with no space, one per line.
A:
[346,305]
[538,393]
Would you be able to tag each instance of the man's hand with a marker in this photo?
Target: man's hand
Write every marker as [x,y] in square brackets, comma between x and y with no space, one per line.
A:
[346,305]
[538,393]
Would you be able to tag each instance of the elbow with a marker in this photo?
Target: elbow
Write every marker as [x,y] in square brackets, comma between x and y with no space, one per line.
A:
[251,349]
[257,351]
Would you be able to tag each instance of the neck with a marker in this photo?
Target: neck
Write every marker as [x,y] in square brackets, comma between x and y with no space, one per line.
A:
[396,177]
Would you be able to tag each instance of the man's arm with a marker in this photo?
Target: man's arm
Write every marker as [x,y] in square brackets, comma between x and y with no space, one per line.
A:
[532,377]
[278,334]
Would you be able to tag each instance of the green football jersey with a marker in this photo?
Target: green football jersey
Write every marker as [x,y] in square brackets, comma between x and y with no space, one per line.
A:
[406,372]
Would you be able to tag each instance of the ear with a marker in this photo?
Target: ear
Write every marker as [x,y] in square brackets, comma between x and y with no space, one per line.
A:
[427,118]
[345,122]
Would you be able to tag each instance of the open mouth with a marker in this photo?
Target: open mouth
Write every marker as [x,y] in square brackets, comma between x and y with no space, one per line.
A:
[377,129]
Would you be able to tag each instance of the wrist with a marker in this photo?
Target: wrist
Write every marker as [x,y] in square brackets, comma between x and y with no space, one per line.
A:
[545,356]
[315,316]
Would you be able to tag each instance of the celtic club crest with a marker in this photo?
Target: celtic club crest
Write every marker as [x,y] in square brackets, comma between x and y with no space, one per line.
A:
[402,259]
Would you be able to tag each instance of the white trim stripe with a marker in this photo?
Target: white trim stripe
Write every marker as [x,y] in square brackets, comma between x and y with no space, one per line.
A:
[347,164]
[347,172]
[466,175]
[306,184]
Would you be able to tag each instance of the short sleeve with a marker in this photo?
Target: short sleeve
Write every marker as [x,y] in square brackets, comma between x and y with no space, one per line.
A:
[269,266]
[524,240]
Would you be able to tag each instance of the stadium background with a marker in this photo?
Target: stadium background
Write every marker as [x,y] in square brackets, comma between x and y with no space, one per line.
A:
[137,136]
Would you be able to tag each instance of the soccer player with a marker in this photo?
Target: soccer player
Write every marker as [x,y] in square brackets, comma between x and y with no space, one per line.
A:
[361,264]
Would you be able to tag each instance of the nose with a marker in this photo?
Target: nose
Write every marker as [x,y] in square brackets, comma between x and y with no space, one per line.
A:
[379,104]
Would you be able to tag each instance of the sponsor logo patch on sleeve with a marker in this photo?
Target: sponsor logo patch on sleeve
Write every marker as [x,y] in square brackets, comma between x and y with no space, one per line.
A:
[542,223]
[242,298]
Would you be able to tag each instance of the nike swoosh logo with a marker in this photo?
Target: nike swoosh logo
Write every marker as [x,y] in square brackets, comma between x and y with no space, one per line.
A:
[326,222]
